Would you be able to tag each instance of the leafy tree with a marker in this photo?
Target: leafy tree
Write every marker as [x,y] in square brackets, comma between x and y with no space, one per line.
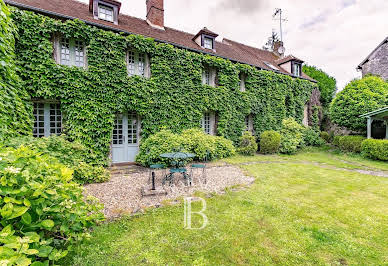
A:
[359,97]
[268,46]
[327,85]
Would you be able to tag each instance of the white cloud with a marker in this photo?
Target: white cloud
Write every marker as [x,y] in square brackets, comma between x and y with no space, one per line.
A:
[335,35]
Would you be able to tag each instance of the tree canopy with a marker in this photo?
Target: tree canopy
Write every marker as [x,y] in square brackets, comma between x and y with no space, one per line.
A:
[327,85]
[359,97]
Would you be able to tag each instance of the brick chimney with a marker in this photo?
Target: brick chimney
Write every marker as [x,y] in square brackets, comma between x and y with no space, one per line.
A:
[155,13]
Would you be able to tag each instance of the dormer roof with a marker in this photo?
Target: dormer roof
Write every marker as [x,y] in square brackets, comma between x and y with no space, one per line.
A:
[205,31]
[288,59]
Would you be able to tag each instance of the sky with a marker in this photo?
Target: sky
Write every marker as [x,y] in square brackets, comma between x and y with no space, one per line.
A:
[334,35]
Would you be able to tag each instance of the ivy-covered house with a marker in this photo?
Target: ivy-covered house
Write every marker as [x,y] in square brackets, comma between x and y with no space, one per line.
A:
[108,79]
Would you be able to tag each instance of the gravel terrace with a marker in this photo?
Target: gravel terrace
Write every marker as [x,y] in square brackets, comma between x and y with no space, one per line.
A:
[122,194]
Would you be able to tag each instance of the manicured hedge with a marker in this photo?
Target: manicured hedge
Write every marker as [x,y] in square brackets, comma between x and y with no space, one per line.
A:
[191,140]
[351,143]
[375,149]
[43,212]
[269,142]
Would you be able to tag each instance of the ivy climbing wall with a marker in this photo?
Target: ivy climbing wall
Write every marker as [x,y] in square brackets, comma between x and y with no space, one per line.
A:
[15,109]
[173,97]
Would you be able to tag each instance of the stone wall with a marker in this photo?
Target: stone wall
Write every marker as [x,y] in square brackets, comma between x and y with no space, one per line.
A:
[378,63]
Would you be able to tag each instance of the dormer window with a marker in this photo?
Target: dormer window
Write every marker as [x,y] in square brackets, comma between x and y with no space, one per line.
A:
[105,12]
[208,43]
[296,69]
[206,39]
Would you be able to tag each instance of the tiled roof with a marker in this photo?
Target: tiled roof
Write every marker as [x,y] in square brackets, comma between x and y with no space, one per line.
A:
[228,49]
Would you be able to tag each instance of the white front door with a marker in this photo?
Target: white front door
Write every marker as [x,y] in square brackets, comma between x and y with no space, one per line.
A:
[125,144]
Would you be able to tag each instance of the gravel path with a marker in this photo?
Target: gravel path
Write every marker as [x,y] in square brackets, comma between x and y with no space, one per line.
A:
[122,194]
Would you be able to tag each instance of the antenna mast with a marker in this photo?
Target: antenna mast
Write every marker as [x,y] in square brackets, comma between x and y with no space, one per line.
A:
[278,13]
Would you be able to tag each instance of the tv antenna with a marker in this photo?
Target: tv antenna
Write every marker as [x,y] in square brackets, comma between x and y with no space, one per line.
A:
[278,15]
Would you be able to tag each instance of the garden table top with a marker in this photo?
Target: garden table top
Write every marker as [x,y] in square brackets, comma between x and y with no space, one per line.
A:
[178,155]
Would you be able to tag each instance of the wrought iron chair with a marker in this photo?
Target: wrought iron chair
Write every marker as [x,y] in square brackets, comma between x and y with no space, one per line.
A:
[200,167]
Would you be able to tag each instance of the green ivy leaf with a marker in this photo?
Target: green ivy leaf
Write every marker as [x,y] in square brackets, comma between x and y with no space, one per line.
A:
[26,218]
[48,224]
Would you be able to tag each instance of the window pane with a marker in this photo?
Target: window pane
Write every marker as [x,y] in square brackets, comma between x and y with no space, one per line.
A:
[79,54]
[38,130]
[207,76]
[141,64]
[206,123]
[131,63]
[132,128]
[65,52]
[117,130]
[105,12]
[55,119]
[208,43]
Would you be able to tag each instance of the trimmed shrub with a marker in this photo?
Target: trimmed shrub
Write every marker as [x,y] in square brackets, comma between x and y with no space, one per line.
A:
[376,149]
[248,144]
[198,142]
[43,212]
[336,140]
[157,144]
[351,143]
[191,140]
[325,136]
[291,136]
[71,154]
[269,142]
[312,137]
[223,148]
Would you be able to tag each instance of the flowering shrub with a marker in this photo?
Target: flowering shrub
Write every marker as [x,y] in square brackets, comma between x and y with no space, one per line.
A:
[43,212]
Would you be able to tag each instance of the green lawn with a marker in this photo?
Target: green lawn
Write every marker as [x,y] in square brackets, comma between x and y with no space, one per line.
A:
[295,213]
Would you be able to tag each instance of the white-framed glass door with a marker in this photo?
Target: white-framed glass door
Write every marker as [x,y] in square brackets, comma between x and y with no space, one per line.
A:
[125,142]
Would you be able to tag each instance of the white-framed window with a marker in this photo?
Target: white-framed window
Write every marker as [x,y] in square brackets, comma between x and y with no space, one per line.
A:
[137,64]
[71,52]
[105,12]
[208,123]
[209,76]
[47,119]
[207,43]
[241,83]
[297,69]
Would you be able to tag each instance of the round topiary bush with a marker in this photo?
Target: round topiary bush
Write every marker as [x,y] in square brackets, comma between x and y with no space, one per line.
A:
[43,212]
[358,97]
[269,142]
[248,144]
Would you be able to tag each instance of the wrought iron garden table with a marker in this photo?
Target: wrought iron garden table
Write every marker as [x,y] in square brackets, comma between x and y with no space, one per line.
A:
[178,160]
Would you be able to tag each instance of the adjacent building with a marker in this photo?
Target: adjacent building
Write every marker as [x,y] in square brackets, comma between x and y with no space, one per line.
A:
[376,62]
